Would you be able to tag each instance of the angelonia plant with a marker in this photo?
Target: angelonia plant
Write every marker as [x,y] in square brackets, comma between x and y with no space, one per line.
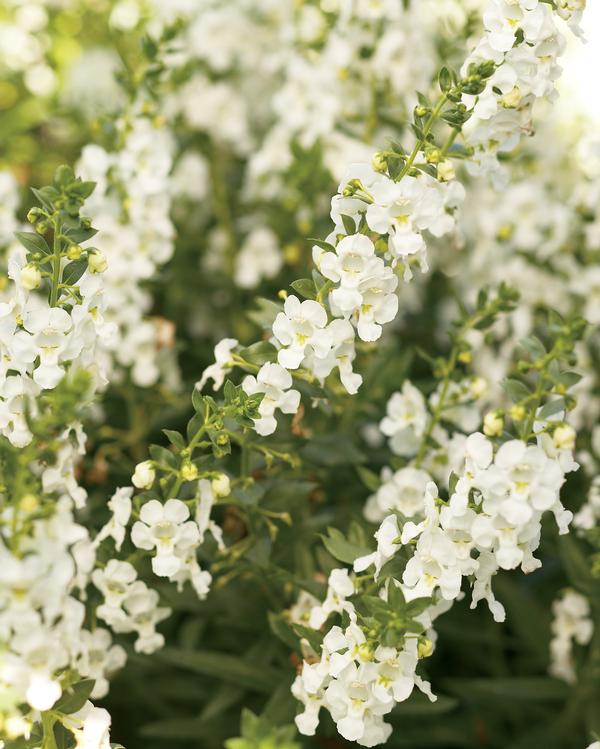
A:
[363,471]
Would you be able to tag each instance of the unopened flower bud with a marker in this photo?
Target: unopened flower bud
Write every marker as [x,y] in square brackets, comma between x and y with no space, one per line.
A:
[30,277]
[28,503]
[97,262]
[74,252]
[445,171]
[144,475]
[425,648]
[34,215]
[379,162]
[433,156]
[292,253]
[189,472]
[493,424]
[478,387]
[564,437]
[517,413]
[421,111]
[221,485]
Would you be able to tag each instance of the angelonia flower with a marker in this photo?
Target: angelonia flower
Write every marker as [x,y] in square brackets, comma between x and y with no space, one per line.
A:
[131,207]
[382,219]
[491,521]
[571,625]
[466,497]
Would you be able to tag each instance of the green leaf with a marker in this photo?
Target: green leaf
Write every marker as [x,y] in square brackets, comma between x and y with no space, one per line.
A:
[534,347]
[305,287]
[82,189]
[259,353]
[419,706]
[417,606]
[516,390]
[74,698]
[283,630]
[33,242]
[332,450]
[578,566]
[265,314]
[80,235]
[568,379]
[73,271]
[340,548]
[323,245]
[551,408]
[349,224]
[516,688]
[445,80]
[175,438]
[63,737]
[313,636]
[257,677]
[162,455]
[46,196]
[369,478]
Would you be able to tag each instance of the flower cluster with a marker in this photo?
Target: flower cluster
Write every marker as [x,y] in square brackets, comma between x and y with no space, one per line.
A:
[131,207]
[357,680]
[523,42]
[571,624]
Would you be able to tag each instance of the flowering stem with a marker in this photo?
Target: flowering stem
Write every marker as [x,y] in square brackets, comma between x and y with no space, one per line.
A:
[437,412]
[421,141]
[538,394]
[55,266]
[449,142]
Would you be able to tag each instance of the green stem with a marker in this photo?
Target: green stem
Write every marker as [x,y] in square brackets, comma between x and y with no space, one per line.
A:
[449,142]
[437,412]
[55,266]
[222,206]
[421,141]
[536,399]
[191,447]
[48,721]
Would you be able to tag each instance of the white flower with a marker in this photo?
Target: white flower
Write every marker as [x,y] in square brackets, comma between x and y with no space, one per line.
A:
[341,355]
[434,563]
[275,382]
[219,369]
[120,506]
[403,491]
[164,528]
[30,277]
[98,658]
[572,623]
[366,285]
[221,485]
[143,475]
[387,537]
[300,326]
[258,258]
[50,330]
[589,513]
[91,727]
[406,420]
[97,262]
[114,581]
[339,587]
